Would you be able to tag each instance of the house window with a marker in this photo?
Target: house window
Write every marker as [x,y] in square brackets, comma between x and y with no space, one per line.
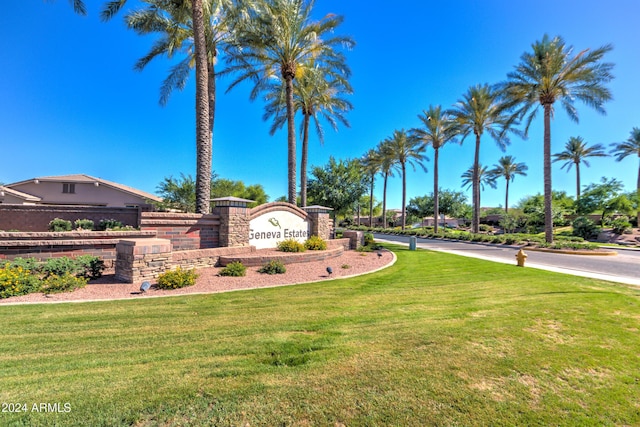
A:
[68,188]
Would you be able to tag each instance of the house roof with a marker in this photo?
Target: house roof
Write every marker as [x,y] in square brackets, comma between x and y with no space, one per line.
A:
[82,178]
[19,194]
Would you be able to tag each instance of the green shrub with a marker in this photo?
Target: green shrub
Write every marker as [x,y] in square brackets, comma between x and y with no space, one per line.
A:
[273,267]
[290,245]
[234,269]
[338,234]
[368,239]
[83,224]
[60,267]
[16,281]
[365,249]
[315,243]
[64,283]
[585,228]
[109,224]
[486,228]
[177,278]
[620,225]
[91,267]
[58,224]
[30,264]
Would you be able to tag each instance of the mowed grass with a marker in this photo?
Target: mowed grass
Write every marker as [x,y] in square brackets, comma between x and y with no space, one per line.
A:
[436,339]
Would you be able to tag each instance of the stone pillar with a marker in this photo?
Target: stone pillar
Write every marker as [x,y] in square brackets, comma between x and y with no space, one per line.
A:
[234,221]
[356,238]
[142,259]
[322,224]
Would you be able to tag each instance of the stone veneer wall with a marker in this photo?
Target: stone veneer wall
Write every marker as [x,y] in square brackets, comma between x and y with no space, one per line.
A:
[37,217]
[356,238]
[234,226]
[187,231]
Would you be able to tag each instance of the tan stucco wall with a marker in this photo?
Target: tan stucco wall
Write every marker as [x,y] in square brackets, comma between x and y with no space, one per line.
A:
[85,193]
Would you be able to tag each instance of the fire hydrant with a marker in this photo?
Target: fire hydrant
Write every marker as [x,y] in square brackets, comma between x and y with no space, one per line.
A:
[521,258]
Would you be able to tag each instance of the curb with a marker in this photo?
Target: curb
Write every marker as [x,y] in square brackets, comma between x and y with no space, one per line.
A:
[570,252]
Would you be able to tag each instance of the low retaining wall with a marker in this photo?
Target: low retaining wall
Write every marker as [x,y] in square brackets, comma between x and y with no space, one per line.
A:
[186,231]
[37,217]
[259,258]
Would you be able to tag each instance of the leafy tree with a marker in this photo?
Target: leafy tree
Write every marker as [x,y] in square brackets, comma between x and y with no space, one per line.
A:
[480,110]
[437,129]
[365,202]
[452,204]
[508,168]
[226,187]
[628,148]
[552,73]
[577,151]
[606,197]
[534,209]
[338,185]
[278,36]
[406,149]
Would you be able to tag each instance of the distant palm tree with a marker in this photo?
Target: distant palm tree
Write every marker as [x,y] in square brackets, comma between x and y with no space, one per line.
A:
[437,130]
[479,111]
[575,152]
[552,73]
[508,168]
[371,164]
[484,178]
[388,164]
[317,93]
[629,147]
[406,149]
[276,37]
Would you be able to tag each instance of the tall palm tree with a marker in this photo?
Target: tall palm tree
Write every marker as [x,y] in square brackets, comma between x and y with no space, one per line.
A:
[437,130]
[483,178]
[552,73]
[387,165]
[371,164]
[628,148]
[577,151]
[275,38]
[317,93]
[203,133]
[508,168]
[406,150]
[480,110]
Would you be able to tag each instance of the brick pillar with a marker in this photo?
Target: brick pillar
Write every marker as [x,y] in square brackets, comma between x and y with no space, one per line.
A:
[234,221]
[142,259]
[322,224]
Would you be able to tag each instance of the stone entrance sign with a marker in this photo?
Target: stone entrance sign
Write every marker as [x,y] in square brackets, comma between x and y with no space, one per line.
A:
[266,230]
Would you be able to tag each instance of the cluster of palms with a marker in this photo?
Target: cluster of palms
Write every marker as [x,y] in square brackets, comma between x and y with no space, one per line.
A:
[291,59]
[548,74]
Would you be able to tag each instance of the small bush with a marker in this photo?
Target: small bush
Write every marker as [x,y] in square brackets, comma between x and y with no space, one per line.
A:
[621,225]
[290,245]
[235,269]
[58,224]
[91,267]
[177,278]
[109,224]
[585,228]
[64,283]
[273,267]
[16,281]
[368,239]
[346,266]
[315,243]
[486,228]
[30,264]
[60,267]
[83,224]
[365,249]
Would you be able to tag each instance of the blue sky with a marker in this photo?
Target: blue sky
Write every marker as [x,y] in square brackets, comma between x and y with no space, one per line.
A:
[71,103]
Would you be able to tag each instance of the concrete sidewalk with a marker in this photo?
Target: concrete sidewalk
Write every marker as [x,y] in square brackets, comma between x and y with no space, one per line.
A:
[634,281]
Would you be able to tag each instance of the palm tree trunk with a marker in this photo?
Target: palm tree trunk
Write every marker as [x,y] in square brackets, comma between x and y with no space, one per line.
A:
[475,221]
[212,99]
[436,206]
[638,192]
[203,132]
[577,181]
[506,199]
[373,177]
[548,218]
[291,140]
[303,160]
[384,201]
[404,196]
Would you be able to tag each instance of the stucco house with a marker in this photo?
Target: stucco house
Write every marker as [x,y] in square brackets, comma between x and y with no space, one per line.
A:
[76,190]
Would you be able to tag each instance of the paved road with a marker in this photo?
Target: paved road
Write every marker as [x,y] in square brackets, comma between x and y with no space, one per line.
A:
[623,268]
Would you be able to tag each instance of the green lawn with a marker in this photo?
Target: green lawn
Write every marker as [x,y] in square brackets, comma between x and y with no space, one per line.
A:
[434,340]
